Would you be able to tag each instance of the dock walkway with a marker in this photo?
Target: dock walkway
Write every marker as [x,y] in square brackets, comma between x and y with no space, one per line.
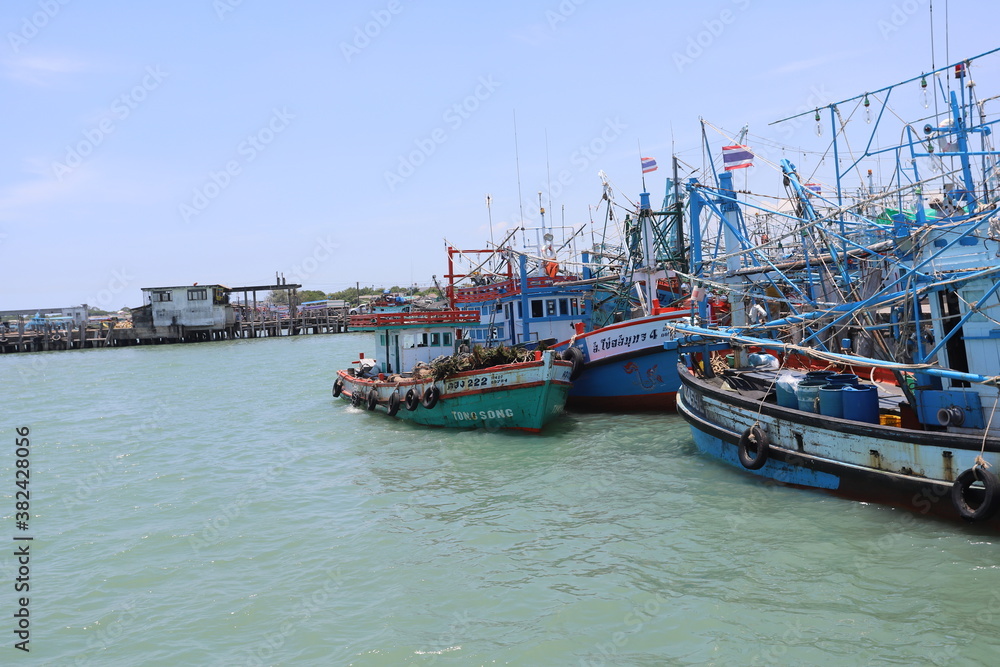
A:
[122,334]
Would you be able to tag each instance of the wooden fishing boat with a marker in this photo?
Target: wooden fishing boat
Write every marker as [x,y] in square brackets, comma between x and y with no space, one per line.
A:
[444,386]
[922,305]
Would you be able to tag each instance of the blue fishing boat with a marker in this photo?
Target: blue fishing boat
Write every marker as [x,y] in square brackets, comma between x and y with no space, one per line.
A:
[624,366]
[605,318]
[913,424]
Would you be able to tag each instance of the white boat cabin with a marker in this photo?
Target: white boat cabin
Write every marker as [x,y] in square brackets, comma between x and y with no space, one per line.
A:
[404,339]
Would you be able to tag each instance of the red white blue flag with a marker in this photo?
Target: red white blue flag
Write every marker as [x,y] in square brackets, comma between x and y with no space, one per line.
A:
[736,157]
[648,165]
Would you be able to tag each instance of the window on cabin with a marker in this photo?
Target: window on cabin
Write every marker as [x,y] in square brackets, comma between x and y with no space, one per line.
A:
[564,306]
[446,339]
[520,311]
[537,308]
[162,296]
[550,307]
[409,341]
[435,340]
[197,295]
[423,340]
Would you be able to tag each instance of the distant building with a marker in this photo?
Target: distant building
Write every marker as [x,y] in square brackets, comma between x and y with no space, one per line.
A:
[184,312]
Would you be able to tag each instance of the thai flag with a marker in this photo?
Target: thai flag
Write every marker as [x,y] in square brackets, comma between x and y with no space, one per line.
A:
[815,187]
[648,165]
[736,157]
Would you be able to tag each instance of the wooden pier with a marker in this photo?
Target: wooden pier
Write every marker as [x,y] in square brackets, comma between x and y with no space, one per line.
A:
[123,334]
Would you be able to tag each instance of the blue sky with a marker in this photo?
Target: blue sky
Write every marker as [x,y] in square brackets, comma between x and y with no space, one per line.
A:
[221,141]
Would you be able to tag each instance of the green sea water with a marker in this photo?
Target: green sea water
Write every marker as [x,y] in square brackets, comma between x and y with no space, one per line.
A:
[212,504]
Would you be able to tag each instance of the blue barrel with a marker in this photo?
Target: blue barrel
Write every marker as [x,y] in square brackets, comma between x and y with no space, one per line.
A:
[806,394]
[844,379]
[786,395]
[861,403]
[819,375]
[831,400]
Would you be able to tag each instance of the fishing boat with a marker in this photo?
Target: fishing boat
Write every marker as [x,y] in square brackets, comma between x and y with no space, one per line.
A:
[625,365]
[600,307]
[912,423]
[498,388]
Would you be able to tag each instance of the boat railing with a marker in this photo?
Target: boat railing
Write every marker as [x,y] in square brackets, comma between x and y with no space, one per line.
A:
[447,317]
[505,288]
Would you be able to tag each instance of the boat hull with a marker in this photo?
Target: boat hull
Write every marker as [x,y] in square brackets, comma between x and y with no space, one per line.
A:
[913,470]
[523,396]
[627,368]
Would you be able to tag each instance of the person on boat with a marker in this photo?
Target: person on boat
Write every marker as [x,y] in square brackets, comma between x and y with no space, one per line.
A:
[551,265]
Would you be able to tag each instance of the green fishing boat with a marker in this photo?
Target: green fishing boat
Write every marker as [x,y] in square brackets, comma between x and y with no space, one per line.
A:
[446,383]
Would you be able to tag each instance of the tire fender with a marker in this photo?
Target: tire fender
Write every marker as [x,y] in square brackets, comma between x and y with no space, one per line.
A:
[575,356]
[960,499]
[431,397]
[412,400]
[753,448]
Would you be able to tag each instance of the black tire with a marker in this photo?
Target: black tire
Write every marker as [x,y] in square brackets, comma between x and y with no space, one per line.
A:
[988,506]
[431,397]
[412,400]
[338,388]
[753,448]
[575,356]
[356,398]
[393,403]
[372,398]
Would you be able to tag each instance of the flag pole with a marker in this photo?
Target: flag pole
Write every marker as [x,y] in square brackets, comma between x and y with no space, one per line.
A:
[641,171]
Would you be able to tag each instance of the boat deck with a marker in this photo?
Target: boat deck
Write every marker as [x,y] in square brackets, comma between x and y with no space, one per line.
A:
[760,385]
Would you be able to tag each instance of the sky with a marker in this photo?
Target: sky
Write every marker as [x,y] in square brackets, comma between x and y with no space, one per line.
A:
[226,141]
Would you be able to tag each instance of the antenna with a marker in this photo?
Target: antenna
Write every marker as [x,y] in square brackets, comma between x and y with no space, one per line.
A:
[548,176]
[517,162]
[489,212]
